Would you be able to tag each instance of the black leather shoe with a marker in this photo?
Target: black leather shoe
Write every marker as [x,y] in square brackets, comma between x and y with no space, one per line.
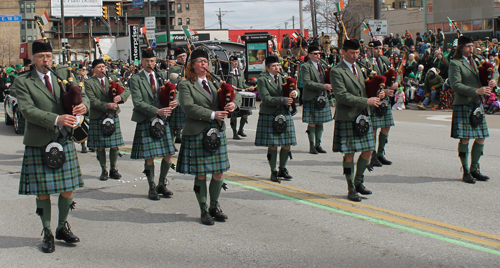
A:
[91,150]
[64,233]
[283,173]
[206,218]
[162,189]
[84,150]
[241,133]
[217,214]
[467,177]
[236,137]
[383,160]
[478,176]
[362,189]
[320,150]
[353,196]
[48,245]
[178,140]
[274,177]
[374,161]
[312,149]
[114,174]
[153,194]
[104,175]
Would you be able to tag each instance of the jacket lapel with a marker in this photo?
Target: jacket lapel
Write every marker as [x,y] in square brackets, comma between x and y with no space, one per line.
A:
[146,85]
[315,72]
[466,64]
[201,90]
[38,82]
[351,74]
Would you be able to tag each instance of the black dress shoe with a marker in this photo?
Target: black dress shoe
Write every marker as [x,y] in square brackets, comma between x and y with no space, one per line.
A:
[283,173]
[312,149]
[362,189]
[162,189]
[241,133]
[320,150]
[478,176]
[84,150]
[153,194]
[178,140]
[206,218]
[48,245]
[104,175]
[374,161]
[236,137]
[64,233]
[467,177]
[217,214]
[91,150]
[383,160]
[113,173]
[274,177]
[353,196]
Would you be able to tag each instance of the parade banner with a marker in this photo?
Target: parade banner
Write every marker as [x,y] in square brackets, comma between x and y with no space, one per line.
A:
[256,54]
[76,8]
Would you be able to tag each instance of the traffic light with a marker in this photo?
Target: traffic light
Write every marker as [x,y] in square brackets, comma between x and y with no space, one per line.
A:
[119,9]
[105,12]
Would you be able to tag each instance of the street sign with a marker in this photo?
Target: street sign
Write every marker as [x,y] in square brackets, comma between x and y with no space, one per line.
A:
[64,40]
[137,3]
[151,34]
[153,44]
[8,18]
[150,23]
[134,44]
[379,27]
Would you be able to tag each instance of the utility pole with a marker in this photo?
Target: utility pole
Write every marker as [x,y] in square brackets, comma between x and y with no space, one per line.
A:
[149,8]
[286,23]
[293,22]
[312,4]
[220,15]
[167,24]
[376,8]
[63,30]
[301,18]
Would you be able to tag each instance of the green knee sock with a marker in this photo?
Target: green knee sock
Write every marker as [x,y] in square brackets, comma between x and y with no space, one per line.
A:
[43,208]
[476,152]
[349,175]
[463,153]
[311,133]
[64,206]
[233,125]
[149,170]
[243,121]
[101,156]
[360,170]
[283,158]
[113,158]
[200,190]
[382,141]
[165,166]
[319,134]
[214,189]
[272,158]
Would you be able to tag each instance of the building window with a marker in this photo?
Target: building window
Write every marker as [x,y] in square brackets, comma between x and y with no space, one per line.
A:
[188,21]
[179,7]
[23,25]
[28,25]
[179,21]
[22,8]
[28,8]
[467,26]
[393,4]
[187,6]
[23,39]
[488,24]
[34,11]
[429,6]
[496,3]
[30,38]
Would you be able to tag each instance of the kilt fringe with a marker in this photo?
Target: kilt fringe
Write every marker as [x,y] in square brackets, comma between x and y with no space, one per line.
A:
[313,115]
[267,137]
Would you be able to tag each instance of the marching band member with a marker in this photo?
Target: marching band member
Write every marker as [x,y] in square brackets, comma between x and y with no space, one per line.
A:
[238,80]
[178,117]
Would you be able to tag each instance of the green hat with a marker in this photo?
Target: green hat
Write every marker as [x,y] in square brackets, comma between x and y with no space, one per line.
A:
[19,66]
[9,70]
[411,75]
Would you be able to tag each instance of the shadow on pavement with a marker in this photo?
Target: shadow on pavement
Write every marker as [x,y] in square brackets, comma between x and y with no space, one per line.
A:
[133,215]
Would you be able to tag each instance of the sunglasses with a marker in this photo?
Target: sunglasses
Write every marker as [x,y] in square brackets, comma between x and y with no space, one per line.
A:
[315,53]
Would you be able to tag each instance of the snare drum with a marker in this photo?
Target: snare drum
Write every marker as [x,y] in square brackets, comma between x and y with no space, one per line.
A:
[81,130]
[247,100]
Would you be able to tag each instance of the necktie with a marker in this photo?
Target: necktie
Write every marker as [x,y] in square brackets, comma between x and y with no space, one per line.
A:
[205,86]
[354,71]
[319,69]
[102,83]
[152,82]
[236,72]
[471,62]
[47,83]
[276,79]
[379,62]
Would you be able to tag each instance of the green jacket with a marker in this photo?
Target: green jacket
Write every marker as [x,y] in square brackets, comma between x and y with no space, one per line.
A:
[271,95]
[383,69]
[145,103]
[464,80]
[313,86]
[100,97]
[436,82]
[238,81]
[39,107]
[198,107]
[350,93]
[177,70]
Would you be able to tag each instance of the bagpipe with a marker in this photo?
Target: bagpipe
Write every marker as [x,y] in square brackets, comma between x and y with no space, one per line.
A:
[287,87]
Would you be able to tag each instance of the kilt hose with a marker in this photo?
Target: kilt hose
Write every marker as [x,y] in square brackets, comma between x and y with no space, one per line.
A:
[39,179]
[267,137]
[461,127]
[195,160]
[145,146]
[381,121]
[97,139]
[346,141]
[313,115]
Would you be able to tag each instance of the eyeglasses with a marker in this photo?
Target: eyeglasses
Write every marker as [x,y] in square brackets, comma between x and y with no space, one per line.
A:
[42,56]
[315,53]
[200,61]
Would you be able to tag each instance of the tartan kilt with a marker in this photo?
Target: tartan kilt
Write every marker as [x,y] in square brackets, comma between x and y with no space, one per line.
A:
[39,179]
[195,160]
[98,140]
[460,124]
[240,113]
[266,136]
[145,146]
[345,141]
[381,121]
[312,115]
[177,118]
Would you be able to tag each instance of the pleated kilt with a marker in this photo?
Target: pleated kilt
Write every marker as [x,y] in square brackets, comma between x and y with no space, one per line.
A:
[460,124]
[98,140]
[266,136]
[381,121]
[240,113]
[145,146]
[313,115]
[39,179]
[345,141]
[195,160]
[177,118]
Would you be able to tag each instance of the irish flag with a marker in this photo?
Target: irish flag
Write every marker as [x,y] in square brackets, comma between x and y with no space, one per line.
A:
[189,33]
[295,35]
[44,19]
[143,30]
[367,29]
[450,22]
[340,5]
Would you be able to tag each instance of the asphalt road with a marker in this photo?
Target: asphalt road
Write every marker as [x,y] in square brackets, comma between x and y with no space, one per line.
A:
[420,215]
